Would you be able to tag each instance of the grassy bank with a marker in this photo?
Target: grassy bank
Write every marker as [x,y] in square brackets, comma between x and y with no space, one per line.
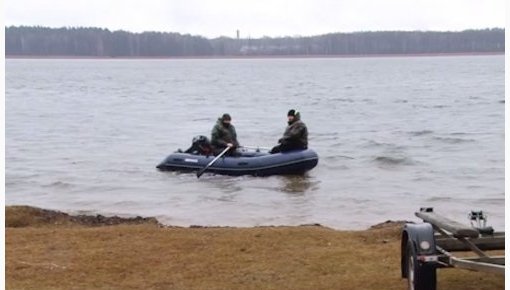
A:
[51,250]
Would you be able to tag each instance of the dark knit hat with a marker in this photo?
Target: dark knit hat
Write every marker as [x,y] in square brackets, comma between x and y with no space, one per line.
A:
[226,117]
[291,113]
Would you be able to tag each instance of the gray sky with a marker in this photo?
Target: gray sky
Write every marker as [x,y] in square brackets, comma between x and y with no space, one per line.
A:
[257,18]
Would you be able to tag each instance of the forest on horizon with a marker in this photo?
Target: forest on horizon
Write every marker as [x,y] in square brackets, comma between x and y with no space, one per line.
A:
[100,42]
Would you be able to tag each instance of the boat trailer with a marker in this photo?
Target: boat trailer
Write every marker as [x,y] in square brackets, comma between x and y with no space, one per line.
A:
[429,245]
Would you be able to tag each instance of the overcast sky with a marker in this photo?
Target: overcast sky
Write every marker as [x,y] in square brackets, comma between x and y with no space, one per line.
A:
[257,18]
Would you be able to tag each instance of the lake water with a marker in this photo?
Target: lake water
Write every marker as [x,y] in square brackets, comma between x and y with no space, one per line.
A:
[84,136]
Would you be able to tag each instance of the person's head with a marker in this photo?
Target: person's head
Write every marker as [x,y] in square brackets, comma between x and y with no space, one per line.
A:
[292,116]
[226,119]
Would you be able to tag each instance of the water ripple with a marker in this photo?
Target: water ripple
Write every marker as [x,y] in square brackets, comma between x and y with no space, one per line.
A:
[453,140]
[393,161]
[410,127]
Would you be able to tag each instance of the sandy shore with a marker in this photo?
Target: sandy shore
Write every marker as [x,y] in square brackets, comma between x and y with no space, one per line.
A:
[53,250]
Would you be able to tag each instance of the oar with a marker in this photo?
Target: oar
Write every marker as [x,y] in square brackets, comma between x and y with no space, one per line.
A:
[199,173]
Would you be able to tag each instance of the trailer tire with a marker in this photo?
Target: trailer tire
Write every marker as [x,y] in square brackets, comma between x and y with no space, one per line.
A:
[419,276]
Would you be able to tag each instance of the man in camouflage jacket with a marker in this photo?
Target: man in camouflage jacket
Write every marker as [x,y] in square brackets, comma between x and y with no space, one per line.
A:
[224,135]
[295,136]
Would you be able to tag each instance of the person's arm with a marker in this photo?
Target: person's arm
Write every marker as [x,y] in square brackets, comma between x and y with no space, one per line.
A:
[216,139]
[292,133]
[285,136]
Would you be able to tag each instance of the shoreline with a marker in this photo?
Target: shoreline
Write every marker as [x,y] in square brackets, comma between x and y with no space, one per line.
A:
[19,216]
[52,250]
[63,57]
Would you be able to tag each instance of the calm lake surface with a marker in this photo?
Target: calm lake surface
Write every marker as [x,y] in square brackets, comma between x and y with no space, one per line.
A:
[84,136]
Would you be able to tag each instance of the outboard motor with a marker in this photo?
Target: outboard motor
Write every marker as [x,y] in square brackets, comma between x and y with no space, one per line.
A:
[200,145]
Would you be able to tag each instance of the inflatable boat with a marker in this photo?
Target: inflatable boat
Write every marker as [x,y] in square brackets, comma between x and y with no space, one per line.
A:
[244,163]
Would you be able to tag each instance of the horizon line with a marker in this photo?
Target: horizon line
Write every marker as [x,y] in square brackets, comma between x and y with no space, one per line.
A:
[249,37]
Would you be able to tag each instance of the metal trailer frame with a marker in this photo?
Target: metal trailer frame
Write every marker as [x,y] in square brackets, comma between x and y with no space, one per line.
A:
[429,245]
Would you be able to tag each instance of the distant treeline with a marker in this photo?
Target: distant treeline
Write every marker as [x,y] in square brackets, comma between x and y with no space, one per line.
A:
[97,42]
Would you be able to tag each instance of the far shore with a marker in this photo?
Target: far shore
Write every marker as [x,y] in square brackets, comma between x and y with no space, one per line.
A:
[47,249]
[252,56]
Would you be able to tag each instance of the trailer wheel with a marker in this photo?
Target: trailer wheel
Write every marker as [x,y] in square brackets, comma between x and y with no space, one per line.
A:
[419,276]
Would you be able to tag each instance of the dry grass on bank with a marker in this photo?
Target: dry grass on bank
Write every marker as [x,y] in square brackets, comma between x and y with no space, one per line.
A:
[63,253]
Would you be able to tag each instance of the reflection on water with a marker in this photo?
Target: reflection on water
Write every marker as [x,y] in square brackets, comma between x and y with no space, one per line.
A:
[225,184]
[298,184]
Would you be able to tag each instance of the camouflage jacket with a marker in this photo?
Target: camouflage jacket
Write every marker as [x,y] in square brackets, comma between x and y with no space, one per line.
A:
[222,135]
[296,133]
